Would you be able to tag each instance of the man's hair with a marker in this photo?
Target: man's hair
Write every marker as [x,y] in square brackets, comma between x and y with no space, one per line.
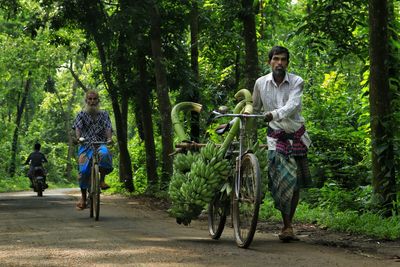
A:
[91,91]
[276,50]
[37,146]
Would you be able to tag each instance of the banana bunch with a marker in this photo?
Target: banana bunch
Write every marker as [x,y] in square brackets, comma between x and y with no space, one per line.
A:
[262,155]
[209,151]
[182,162]
[192,188]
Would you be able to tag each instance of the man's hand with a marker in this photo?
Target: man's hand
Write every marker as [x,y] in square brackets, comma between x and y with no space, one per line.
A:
[268,117]
[110,141]
[75,140]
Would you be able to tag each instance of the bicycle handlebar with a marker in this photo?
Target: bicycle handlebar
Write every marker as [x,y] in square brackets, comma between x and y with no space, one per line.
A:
[82,140]
[240,115]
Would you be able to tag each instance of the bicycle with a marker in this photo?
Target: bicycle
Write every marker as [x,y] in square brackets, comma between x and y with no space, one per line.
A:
[94,189]
[245,198]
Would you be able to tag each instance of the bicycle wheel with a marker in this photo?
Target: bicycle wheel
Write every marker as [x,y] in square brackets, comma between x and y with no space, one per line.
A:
[91,191]
[217,212]
[96,193]
[246,202]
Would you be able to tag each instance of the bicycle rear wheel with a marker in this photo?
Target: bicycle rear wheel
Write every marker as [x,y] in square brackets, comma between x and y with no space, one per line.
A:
[246,202]
[217,212]
[96,193]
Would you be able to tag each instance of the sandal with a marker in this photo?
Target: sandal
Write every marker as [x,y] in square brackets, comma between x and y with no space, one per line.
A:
[81,205]
[287,235]
[104,186]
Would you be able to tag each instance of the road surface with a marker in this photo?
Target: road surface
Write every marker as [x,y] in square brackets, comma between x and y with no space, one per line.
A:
[49,231]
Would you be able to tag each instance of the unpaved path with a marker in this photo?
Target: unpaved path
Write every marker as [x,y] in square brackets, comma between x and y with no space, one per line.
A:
[49,231]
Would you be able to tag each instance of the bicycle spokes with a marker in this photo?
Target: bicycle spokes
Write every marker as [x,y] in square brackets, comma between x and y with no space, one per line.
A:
[247,204]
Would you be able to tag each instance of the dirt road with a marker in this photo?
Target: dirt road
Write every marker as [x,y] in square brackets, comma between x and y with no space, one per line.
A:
[49,231]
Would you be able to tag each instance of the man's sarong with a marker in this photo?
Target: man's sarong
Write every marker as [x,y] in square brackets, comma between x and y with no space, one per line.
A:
[85,159]
[282,179]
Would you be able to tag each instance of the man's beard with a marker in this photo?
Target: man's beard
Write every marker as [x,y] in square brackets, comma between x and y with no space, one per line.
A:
[279,73]
[92,109]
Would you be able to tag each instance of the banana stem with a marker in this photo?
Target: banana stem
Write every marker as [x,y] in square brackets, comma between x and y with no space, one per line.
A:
[245,95]
[234,129]
[244,106]
[177,124]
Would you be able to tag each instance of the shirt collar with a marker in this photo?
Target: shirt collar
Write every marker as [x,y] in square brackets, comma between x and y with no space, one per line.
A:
[285,80]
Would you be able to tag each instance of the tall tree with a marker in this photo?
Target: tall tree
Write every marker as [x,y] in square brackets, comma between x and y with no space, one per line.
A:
[164,104]
[95,18]
[383,179]
[145,113]
[20,110]
[250,41]
[194,59]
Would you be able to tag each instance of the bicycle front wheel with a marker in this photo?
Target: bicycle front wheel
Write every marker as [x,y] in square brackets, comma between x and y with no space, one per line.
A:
[92,191]
[246,202]
[217,212]
[96,193]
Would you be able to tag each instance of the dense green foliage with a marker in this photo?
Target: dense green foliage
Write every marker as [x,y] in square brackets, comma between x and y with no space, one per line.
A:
[49,55]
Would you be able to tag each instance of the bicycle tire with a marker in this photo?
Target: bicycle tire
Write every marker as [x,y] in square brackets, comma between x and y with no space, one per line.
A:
[246,202]
[91,191]
[96,193]
[217,213]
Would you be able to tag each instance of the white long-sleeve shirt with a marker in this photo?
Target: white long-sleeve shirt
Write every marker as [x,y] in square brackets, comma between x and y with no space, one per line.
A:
[283,101]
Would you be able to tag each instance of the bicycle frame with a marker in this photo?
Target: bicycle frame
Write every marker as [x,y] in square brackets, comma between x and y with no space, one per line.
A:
[94,191]
[242,135]
[245,193]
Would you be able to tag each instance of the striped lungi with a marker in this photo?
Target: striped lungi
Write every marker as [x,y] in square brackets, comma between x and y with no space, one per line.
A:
[285,175]
[85,160]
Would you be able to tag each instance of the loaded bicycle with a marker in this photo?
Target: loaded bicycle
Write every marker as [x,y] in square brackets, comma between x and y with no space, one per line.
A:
[245,197]
[240,194]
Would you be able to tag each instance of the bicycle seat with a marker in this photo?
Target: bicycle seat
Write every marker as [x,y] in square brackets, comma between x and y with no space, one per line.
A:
[221,129]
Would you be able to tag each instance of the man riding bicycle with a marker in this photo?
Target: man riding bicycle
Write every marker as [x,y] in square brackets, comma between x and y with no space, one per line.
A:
[94,125]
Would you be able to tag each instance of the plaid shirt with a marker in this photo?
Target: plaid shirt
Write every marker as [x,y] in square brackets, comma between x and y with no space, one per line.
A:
[93,130]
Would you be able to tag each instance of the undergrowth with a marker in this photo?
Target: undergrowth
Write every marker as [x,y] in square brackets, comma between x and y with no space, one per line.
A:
[337,209]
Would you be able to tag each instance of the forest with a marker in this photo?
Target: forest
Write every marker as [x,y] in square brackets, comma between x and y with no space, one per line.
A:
[144,57]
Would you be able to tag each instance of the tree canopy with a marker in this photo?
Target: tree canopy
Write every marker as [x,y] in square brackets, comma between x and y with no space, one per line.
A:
[146,56]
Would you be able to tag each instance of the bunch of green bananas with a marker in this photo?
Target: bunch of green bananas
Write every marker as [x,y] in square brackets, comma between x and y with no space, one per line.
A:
[196,178]
[262,155]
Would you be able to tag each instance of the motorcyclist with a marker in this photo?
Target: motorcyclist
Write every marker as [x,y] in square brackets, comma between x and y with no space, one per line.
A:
[36,159]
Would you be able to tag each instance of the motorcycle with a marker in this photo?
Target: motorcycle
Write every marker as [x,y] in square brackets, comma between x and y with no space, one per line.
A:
[38,181]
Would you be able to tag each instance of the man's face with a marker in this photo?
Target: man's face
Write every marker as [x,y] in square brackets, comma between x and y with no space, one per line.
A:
[279,64]
[92,102]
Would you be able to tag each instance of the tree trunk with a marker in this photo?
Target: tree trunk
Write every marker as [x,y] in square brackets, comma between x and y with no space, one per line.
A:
[194,58]
[20,111]
[143,100]
[380,111]
[71,134]
[162,96]
[250,39]
[125,164]
[394,62]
